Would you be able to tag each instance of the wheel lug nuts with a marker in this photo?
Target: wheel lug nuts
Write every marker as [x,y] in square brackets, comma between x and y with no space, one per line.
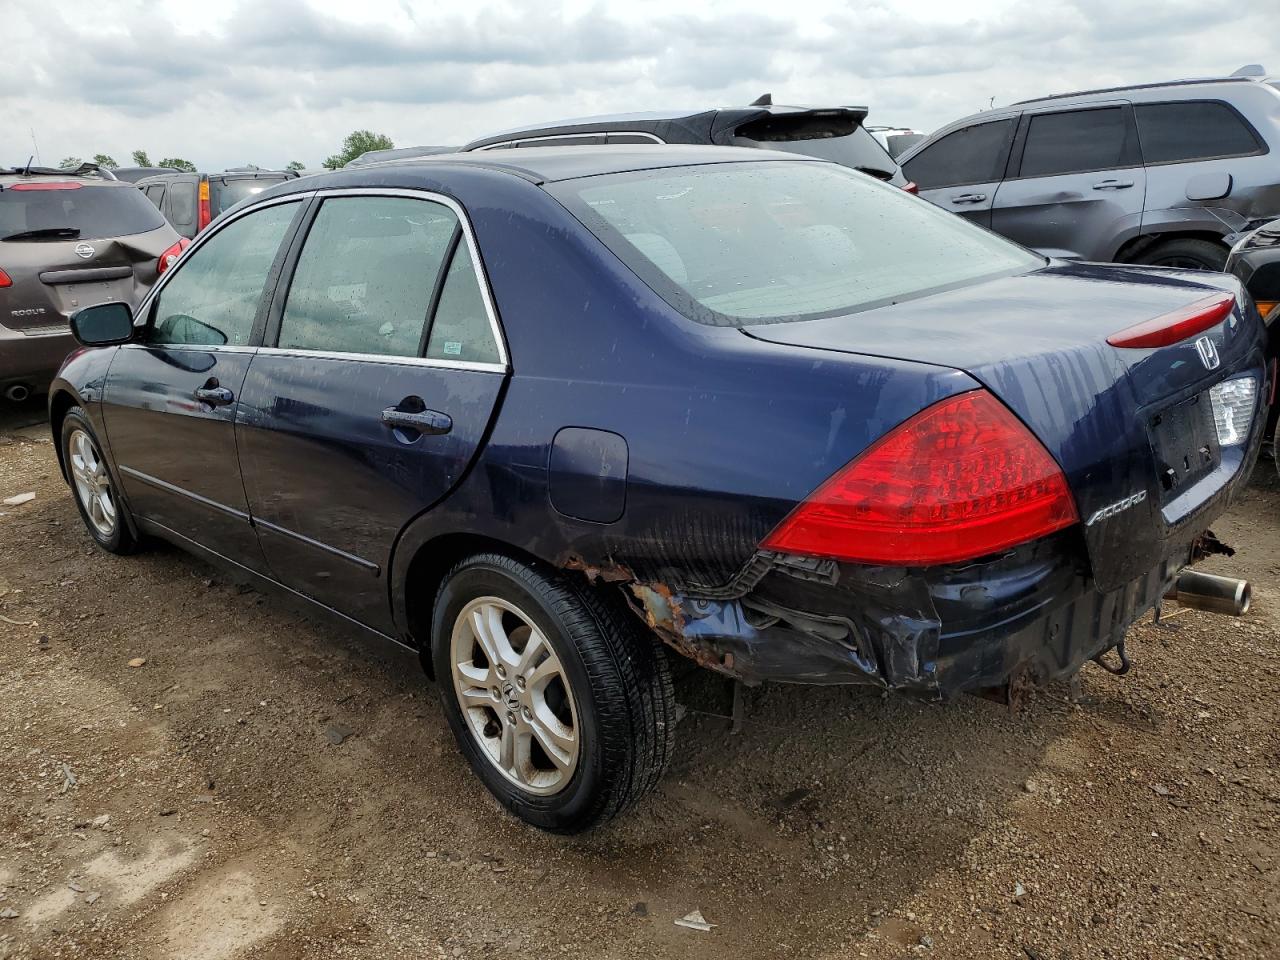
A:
[520,682]
[497,694]
[526,713]
[502,672]
[511,718]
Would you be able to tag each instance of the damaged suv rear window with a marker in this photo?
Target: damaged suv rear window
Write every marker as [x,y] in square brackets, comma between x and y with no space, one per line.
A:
[748,243]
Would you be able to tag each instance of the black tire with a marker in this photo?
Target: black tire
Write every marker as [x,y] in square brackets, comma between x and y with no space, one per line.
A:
[1186,253]
[121,539]
[620,682]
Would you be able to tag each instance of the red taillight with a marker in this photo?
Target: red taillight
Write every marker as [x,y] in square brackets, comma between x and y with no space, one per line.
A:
[961,479]
[203,215]
[4,280]
[911,187]
[169,256]
[51,185]
[1178,325]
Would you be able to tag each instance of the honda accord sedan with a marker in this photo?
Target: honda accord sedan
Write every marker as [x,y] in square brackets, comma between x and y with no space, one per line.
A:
[549,415]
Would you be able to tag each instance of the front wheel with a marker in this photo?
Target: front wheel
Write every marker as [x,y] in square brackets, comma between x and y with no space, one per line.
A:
[91,481]
[560,702]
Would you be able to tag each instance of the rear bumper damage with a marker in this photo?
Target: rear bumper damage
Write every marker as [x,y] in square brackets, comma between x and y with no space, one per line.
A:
[1026,617]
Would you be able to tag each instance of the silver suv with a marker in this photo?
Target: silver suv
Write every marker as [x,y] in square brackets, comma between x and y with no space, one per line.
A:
[1159,173]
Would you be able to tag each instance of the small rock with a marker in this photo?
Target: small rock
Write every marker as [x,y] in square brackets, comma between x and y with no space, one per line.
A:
[1160,789]
[76,887]
[168,811]
[695,921]
[1031,786]
[927,942]
[92,897]
[18,500]
[101,821]
[337,733]
[137,662]
[457,951]
[8,913]
[1019,891]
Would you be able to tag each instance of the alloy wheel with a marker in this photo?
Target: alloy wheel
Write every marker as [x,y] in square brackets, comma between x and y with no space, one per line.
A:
[92,483]
[515,695]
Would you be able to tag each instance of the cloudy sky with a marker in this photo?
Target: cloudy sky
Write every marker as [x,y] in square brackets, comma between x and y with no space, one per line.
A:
[270,81]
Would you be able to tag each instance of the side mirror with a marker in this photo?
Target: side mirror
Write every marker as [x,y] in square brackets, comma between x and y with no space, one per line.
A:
[103,325]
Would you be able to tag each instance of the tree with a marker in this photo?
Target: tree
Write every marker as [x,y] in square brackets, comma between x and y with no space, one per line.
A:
[186,166]
[140,158]
[296,165]
[358,142]
[69,163]
[105,161]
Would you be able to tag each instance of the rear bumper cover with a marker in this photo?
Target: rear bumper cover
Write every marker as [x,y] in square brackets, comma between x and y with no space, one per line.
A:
[32,359]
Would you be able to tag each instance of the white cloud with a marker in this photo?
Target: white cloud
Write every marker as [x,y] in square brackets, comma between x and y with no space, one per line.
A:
[268,82]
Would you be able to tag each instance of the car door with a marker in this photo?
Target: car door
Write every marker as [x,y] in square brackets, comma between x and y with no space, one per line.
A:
[1078,184]
[169,401]
[179,204]
[384,368]
[961,171]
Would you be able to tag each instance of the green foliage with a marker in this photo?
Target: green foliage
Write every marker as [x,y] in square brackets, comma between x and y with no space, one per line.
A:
[140,158]
[186,166]
[356,143]
[69,163]
[295,165]
[105,161]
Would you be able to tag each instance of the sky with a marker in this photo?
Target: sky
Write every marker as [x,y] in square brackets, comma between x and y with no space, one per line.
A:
[270,81]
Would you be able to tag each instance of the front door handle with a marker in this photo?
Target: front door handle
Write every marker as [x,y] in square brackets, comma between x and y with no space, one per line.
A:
[969,198]
[423,421]
[1113,185]
[213,394]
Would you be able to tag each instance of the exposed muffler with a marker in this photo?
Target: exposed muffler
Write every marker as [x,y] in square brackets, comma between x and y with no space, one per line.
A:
[1205,591]
[17,392]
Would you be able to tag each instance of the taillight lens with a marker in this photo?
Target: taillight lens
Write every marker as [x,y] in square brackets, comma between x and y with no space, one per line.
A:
[961,479]
[49,185]
[204,216]
[4,280]
[911,187]
[168,258]
[1178,325]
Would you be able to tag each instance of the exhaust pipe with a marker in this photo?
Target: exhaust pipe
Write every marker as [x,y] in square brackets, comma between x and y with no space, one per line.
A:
[17,392]
[1205,591]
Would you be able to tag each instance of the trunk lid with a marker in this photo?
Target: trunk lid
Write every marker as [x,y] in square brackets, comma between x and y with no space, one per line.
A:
[1116,420]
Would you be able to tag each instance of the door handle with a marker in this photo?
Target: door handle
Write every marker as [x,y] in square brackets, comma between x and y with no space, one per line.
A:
[425,421]
[213,394]
[969,198]
[1113,185]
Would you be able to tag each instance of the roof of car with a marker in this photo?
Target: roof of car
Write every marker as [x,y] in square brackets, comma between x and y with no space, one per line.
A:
[12,175]
[550,164]
[1146,86]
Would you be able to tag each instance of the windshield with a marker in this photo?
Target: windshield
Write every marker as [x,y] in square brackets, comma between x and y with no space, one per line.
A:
[230,192]
[747,243]
[48,210]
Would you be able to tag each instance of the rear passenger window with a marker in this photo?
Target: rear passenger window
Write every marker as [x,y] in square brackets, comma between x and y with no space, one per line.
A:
[975,154]
[1195,130]
[213,298]
[364,280]
[155,193]
[1077,142]
[182,203]
[461,329]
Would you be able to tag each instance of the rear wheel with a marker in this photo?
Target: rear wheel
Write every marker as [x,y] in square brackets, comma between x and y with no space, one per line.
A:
[561,703]
[93,486]
[1186,253]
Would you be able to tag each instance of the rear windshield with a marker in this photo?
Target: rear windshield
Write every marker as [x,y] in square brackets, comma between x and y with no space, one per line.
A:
[748,243]
[838,138]
[225,194]
[74,210]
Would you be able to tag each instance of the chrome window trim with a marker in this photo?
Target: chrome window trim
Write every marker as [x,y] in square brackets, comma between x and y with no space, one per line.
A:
[191,347]
[386,358]
[503,144]
[201,239]
[477,266]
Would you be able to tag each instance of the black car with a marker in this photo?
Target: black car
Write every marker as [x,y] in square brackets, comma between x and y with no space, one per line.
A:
[191,201]
[829,133]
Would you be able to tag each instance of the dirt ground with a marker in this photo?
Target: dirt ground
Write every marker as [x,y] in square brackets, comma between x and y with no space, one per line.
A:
[267,786]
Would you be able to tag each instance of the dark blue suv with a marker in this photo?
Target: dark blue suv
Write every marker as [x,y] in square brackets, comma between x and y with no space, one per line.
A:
[543,415]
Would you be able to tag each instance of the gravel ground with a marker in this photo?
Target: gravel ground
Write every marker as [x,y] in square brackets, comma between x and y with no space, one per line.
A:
[190,769]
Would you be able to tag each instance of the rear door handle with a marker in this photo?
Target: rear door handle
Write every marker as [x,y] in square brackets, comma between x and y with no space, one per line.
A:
[214,395]
[1113,185]
[426,421]
[969,198]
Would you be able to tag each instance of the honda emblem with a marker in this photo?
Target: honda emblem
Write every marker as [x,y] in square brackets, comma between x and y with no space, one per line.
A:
[1208,353]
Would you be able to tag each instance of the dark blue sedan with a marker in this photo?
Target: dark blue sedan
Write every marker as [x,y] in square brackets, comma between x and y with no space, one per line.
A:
[543,415]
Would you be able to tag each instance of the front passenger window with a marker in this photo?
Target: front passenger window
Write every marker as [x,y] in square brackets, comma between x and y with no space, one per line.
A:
[213,298]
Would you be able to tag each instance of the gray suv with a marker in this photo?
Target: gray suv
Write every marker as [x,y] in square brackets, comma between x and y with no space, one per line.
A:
[1158,174]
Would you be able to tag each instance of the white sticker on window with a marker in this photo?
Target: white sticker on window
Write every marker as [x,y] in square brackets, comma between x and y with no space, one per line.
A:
[453,348]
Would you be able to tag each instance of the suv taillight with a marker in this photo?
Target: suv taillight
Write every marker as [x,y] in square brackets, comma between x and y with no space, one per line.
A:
[168,258]
[963,478]
[203,216]
[4,280]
